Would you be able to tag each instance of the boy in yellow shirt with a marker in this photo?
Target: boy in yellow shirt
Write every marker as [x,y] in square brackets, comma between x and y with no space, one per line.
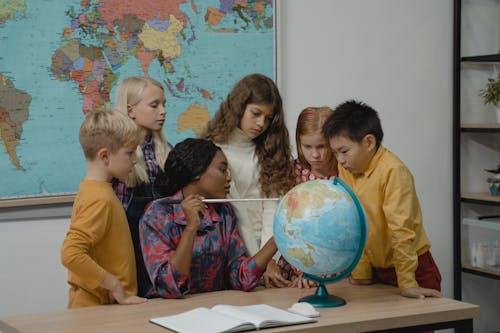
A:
[397,249]
[98,250]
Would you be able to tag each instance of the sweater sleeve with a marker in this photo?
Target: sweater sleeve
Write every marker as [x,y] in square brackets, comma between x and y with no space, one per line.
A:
[244,274]
[88,226]
[268,211]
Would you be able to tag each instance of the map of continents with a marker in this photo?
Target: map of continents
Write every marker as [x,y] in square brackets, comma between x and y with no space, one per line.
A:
[61,59]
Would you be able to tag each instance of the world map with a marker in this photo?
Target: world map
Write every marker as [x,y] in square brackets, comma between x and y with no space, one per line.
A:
[62,59]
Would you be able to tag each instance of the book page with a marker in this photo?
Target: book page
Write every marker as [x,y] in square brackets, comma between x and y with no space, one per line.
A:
[202,320]
[263,315]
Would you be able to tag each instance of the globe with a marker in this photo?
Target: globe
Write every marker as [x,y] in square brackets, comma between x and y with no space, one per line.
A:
[320,227]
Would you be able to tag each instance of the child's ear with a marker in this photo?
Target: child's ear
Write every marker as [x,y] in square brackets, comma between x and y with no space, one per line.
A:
[370,142]
[103,155]
[130,111]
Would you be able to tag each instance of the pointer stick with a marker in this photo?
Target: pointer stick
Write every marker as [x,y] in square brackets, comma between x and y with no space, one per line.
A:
[178,201]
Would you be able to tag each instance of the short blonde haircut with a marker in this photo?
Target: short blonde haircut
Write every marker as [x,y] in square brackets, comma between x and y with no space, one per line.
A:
[107,129]
[310,122]
[130,92]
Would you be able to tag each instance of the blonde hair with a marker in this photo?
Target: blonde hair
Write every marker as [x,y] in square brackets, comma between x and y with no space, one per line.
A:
[130,92]
[107,129]
[310,122]
[271,147]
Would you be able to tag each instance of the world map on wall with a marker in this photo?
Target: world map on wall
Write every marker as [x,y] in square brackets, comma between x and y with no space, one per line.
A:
[61,59]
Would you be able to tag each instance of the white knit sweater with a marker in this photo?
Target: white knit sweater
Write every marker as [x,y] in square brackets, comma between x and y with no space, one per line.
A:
[255,219]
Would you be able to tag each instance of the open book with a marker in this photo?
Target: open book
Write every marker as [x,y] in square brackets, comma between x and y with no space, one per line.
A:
[230,318]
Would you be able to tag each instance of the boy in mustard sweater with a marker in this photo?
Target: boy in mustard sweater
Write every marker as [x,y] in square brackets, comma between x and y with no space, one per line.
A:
[397,249]
[98,250]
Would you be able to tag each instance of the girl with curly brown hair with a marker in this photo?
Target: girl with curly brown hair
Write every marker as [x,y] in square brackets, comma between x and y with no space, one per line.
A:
[250,128]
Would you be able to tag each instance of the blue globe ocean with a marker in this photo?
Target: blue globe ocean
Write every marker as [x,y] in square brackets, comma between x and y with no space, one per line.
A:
[320,228]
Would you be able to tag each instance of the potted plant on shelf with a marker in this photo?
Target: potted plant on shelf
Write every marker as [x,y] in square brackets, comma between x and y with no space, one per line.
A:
[494,181]
[491,94]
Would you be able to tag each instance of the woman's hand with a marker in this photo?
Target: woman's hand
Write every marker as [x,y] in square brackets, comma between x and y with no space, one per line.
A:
[194,209]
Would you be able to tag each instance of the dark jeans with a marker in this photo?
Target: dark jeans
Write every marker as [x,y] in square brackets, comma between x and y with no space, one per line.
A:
[142,196]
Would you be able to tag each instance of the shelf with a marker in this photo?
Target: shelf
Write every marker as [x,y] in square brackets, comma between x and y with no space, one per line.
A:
[481,271]
[466,135]
[482,128]
[480,198]
[491,224]
[482,58]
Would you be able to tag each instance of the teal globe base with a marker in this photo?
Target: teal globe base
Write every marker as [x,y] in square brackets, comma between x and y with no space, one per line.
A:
[321,299]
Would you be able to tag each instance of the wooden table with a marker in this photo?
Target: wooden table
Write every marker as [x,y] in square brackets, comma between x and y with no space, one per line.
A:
[368,309]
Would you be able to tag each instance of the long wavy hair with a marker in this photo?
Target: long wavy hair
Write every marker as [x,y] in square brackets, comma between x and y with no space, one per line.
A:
[272,146]
[310,122]
[130,92]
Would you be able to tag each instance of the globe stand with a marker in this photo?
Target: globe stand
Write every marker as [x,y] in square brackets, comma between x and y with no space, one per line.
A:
[321,299]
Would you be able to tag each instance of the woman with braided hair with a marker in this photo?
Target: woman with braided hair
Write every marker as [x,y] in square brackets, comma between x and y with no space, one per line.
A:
[192,246]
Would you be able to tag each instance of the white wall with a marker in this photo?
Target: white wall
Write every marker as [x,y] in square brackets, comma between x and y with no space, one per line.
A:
[32,278]
[395,55]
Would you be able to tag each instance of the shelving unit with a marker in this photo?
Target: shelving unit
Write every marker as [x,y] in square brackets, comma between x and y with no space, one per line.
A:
[481,128]
[494,58]
[482,58]
[480,198]
[467,268]
[476,146]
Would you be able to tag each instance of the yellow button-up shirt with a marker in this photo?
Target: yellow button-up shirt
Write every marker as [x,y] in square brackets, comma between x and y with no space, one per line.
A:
[396,235]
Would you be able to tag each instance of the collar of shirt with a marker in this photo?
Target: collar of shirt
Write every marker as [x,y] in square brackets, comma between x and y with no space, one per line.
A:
[209,218]
[373,163]
[239,138]
[148,142]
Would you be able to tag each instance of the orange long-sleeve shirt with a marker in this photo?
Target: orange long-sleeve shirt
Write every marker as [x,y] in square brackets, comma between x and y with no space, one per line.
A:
[97,241]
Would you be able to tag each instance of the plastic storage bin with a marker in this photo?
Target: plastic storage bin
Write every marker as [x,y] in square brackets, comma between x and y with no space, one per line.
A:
[481,243]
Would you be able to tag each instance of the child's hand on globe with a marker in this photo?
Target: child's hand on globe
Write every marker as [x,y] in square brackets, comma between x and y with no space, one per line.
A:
[302,282]
[273,278]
